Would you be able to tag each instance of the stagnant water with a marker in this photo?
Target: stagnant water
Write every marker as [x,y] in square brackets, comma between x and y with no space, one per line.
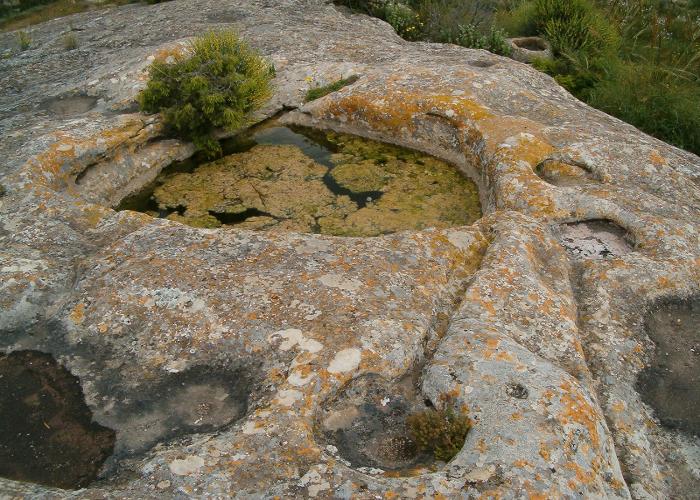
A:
[289,178]
[47,433]
[671,384]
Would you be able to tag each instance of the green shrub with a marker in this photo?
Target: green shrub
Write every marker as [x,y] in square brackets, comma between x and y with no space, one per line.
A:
[372,7]
[440,432]
[469,36]
[584,42]
[8,8]
[569,25]
[318,92]
[496,42]
[404,20]
[653,100]
[442,18]
[216,86]
[70,41]
[518,20]
[25,41]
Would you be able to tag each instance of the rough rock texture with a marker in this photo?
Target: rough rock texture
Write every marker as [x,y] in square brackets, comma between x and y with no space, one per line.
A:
[542,349]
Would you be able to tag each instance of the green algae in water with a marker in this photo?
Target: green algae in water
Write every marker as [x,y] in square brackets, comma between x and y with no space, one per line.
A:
[278,178]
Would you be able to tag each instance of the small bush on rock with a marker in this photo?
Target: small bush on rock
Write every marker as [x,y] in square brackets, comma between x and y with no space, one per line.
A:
[469,36]
[216,86]
[440,432]
[321,91]
[25,41]
[70,41]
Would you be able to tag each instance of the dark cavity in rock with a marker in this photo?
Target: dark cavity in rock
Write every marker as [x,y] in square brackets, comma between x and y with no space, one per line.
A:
[595,239]
[366,422]
[671,384]
[47,433]
[517,391]
[200,399]
[68,106]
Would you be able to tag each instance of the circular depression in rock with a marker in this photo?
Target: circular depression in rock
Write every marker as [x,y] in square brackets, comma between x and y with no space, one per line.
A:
[48,435]
[366,423]
[288,178]
[671,384]
[199,399]
[564,174]
[595,239]
[67,106]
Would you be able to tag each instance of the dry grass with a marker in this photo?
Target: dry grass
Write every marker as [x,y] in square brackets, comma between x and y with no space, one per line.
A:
[59,8]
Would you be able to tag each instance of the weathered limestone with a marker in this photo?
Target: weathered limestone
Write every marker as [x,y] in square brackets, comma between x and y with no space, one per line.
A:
[541,348]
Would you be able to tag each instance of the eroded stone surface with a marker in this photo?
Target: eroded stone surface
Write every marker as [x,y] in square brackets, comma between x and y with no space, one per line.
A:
[126,301]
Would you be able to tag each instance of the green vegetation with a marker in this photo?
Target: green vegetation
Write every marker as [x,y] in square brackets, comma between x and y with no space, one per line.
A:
[446,21]
[404,20]
[29,12]
[318,92]
[25,41]
[638,60]
[215,86]
[440,432]
[70,41]
[494,41]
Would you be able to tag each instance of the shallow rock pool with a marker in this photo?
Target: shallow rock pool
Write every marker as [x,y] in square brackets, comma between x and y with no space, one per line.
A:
[288,178]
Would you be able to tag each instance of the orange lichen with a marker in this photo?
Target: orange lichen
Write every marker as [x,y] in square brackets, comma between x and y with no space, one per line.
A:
[582,475]
[78,313]
[657,159]
[578,410]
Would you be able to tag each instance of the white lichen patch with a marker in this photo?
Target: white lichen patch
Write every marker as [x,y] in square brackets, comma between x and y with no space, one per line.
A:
[186,466]
[287,397]
[294,337]
[341,282]
[345,361]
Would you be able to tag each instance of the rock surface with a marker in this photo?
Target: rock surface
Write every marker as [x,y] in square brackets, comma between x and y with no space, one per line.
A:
[542,349]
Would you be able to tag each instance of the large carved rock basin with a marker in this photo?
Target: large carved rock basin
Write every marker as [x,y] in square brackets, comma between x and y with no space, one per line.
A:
[214,354]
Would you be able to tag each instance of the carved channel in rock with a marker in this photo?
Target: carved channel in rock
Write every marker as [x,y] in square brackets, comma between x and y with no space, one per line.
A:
[289,178]
[200,399]
[69,106]
[671,384]
[47,434]
[366,424]
[595,239]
